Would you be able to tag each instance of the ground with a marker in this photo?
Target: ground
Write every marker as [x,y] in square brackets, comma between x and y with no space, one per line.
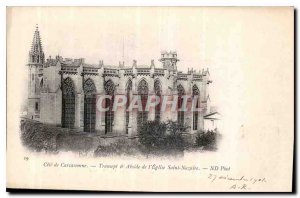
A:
[39,137]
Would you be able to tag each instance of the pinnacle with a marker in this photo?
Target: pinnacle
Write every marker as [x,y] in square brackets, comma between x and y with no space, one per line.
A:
[36,43]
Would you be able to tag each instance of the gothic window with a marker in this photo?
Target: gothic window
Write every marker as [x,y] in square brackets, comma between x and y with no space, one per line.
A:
[41,83]
[143,94]
[196,94]
[128,93]
[68,103]
[32,76]
[89,87]
[68,87]
[157,90]
[89,106]
[36,106]
[180,113]
[109,115]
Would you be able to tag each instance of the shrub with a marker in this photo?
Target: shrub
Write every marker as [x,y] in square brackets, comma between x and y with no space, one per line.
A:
[174,139]
[37,137]
[207,140]
[160,137]
[152,135]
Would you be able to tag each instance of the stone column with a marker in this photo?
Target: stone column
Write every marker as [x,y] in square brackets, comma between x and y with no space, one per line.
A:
[99,116]
[120,117]
[77,110]
[130,122]
[151,112]
[58,107]
[134,112]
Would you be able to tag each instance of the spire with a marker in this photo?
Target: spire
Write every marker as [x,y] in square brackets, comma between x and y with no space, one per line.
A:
[36,54]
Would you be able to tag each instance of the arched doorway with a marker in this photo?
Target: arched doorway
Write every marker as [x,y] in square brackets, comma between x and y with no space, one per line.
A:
[196,94]
[180,112]
[109,115]
[157,90]
[143,91]
[89,106]
[68,103]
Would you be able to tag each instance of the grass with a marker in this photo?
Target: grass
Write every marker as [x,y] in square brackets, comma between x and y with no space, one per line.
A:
[41,137]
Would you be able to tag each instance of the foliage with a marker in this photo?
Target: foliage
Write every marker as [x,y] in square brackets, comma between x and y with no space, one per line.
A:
[41,137]
[37,136]
[160,137]
[207,140]
[153,138]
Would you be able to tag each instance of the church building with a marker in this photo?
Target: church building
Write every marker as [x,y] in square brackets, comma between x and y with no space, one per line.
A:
[64,92]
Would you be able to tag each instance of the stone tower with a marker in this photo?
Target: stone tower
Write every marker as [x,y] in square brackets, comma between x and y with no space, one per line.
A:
[169,60]
[35,72]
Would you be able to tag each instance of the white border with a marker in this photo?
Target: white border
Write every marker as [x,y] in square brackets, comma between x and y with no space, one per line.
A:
[5,3]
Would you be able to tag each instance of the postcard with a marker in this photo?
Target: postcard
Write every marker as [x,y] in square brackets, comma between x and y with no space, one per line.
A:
[150,99]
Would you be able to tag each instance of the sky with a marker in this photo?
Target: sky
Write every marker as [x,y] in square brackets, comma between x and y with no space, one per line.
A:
[245,49]
[117,34]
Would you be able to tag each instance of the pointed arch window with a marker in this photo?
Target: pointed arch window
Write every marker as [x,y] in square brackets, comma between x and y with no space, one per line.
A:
[196,94]
[68,103]
[36,106]
[42,83]
[143,91]
[89,89]
[180,112]
[157,90]
[109,115]
[128,95]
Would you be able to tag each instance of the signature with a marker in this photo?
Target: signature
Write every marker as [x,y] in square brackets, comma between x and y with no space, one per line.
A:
[240,182]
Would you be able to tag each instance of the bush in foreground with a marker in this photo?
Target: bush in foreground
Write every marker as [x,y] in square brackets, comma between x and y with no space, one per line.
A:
[208,140]
[159,137]
[37,136]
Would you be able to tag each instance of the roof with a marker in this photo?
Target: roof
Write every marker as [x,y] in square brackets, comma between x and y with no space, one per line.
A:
[71,62]
[90,65]
[143,67]
[213,116]
[51,62]
[111,67]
